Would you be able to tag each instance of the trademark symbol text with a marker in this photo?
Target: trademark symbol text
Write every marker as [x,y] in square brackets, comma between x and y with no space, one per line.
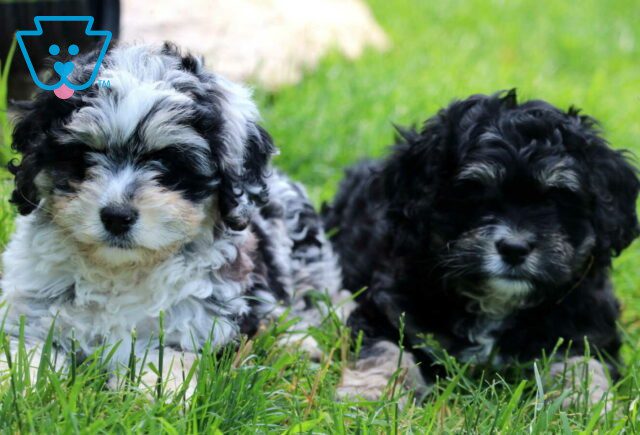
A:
[104,84]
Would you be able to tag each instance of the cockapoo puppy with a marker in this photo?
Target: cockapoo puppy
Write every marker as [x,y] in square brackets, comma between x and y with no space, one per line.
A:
[156,195]
[492,229]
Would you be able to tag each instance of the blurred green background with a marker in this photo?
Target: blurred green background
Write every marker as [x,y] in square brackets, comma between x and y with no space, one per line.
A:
[584,53]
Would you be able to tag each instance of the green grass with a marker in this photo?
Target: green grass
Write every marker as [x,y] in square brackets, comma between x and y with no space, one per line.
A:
[6,211]
[583,53]
[5,127]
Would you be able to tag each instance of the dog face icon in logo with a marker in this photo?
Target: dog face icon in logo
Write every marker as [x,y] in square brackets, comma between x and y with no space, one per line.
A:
[63,87]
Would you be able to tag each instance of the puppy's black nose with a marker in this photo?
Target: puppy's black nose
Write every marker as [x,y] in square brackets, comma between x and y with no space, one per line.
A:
[118,219]
[514,251]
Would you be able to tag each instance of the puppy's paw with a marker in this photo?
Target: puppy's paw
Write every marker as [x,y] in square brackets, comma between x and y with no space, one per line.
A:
[373,375]
[176,367]
[584,380]
[33,353]
[344,304]
[5,371]
[303,342]
[365,384]
[175,371]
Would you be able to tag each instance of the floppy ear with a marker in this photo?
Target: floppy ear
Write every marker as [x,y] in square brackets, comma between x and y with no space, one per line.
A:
[613,182]
[419,165]
[36,118]
[410,178]
[240,194]
[412,172]
[28,139]
[241,150]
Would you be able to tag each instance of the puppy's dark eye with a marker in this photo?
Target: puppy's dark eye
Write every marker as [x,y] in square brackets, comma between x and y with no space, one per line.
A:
[182,171]
[173,159]
[66,162]
[163,156]
[564,196]
[470,190]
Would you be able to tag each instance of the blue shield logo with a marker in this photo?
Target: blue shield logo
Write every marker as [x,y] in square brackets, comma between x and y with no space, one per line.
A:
[63,88]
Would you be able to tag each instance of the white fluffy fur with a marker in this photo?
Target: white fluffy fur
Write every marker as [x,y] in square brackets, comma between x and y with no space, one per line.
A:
[109,303]
[63,267]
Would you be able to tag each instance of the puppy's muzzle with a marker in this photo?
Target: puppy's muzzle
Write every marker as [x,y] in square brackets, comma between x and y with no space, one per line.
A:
[118,219]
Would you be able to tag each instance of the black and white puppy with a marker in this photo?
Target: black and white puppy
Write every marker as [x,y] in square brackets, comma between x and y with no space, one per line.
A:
[493,229]
[156,195]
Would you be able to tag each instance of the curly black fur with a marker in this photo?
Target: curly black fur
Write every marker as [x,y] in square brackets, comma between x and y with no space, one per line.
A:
[420,228]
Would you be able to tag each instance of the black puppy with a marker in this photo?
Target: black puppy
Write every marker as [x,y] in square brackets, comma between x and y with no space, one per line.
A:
[493,229]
